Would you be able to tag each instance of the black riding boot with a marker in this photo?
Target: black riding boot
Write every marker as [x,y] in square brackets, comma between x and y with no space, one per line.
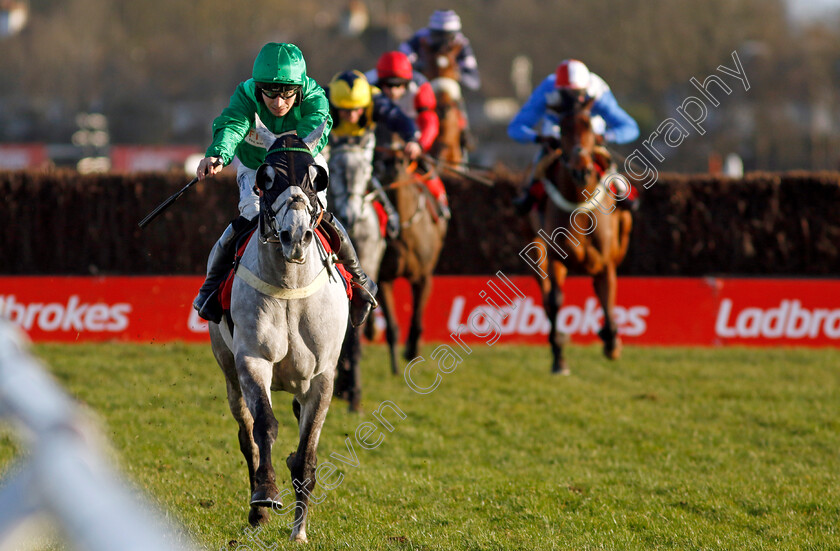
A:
[364,290]
[523,202]
[392,228]
[219,264]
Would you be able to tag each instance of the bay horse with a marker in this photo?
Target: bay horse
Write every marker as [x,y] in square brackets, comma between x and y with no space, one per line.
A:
[439,64]
[447,146]
[583,222]
[413,255]
[288,316]
[350,198]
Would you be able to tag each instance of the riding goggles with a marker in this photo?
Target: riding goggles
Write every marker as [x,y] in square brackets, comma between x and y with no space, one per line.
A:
[392,83]
[439,39]
[282,91]
[561,100]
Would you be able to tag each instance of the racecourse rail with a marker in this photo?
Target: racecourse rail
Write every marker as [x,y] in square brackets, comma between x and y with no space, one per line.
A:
[64,474]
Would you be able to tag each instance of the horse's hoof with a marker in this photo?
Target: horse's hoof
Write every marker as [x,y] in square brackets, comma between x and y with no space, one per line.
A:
[612,343]
[409,355]
[266,496]
[613,352]
[298,538]
[258,515]
[560,368]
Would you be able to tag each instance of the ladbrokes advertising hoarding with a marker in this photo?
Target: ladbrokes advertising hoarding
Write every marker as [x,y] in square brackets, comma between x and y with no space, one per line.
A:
[649,311]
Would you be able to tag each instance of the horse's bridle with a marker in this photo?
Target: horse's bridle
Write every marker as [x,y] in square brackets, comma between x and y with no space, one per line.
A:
[579,176]
[366,196]
[269,233]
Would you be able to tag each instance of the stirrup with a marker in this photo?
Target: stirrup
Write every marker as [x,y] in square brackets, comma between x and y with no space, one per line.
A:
[368,292]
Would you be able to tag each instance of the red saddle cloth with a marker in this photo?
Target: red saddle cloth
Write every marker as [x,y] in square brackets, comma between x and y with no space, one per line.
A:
[382,216]
[227,284]
[432,187]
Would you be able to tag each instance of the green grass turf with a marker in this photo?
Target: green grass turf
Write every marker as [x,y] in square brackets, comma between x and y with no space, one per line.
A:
[665,449]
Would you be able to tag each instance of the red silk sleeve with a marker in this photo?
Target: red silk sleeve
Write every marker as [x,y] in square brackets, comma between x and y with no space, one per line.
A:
[427,122]
[425,98]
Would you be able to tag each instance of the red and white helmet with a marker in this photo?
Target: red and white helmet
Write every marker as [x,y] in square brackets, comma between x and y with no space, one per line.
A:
[572,75]
[394,66]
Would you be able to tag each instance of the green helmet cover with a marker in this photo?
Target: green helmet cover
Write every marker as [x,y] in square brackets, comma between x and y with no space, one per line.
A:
[280,63]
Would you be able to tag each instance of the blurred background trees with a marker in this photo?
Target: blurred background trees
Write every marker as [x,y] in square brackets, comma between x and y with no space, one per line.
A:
[161,70]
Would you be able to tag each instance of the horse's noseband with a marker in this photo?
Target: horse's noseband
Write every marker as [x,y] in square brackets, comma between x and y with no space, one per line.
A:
[579,175]
[269,232]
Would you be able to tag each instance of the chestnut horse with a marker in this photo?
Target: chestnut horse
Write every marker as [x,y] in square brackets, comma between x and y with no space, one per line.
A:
[581,228]
[413,254]
[447,146]
[439,64]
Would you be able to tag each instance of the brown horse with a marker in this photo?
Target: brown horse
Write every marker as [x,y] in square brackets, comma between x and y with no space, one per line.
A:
[439,64]
[447,146]
[413,254]
[581,228]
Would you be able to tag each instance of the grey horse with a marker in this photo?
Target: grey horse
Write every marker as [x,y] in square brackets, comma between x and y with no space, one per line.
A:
[350,198]
[289,313]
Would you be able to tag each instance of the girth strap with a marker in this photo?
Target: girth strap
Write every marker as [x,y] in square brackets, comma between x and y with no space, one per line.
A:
[255,282]
[564,204]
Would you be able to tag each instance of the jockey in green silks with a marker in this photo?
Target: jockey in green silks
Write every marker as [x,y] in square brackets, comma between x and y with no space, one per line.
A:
[285,99]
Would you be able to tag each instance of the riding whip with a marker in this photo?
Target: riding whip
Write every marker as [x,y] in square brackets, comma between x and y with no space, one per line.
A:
[166,204]
[440,164]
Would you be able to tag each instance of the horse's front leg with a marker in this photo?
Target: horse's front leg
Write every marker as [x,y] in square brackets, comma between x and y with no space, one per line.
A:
[605,282]
[421,290]
[392,328]
[255,381]
[257,514]
[552,292]
[240,411]
[302,463]
[623,228]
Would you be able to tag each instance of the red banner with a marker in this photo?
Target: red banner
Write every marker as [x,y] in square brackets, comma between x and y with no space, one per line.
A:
[23,155]
[649,311]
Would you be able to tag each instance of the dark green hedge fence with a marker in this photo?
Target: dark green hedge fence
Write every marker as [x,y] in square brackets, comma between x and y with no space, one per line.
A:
[688,225]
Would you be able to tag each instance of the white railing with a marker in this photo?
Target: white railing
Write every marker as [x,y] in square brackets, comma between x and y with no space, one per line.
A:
[63,476]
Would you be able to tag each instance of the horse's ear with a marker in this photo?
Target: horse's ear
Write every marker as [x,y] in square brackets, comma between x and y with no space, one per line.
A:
[319,176]
[265,177]
[266,136]
[315,136]
[587,105]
